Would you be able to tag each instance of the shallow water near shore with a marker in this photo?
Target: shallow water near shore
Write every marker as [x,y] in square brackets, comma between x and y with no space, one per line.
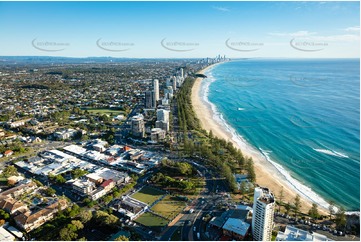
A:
[301,115]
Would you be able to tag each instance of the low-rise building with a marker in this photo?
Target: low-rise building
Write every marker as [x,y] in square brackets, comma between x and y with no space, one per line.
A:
[15,192]
[294,234]
[29,221]
[157,135]
[65,134]
[5,235]
[8,153]
[236,228]
[11,205]
[18,123]
[83,187]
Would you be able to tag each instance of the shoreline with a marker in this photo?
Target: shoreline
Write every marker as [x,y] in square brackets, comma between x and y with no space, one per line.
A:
[268,172]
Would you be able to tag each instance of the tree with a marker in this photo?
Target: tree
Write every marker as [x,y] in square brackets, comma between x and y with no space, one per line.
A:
[78,173]
[288,207]
[250,170]
[121,238]
[50,191]
[77,224]
[111,220]
[67,234]
[340,218]
[297,205]
[107,199]
[75,209]
[85,216]
[331,208]
[243,188]
[10,171]
[4,214]
[314,211]
[280,199]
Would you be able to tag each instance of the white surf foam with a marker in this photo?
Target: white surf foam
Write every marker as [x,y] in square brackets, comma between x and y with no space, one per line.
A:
[300,188]
[331,152]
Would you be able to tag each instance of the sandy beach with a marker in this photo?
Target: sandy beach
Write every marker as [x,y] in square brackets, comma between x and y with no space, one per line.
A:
[266,174]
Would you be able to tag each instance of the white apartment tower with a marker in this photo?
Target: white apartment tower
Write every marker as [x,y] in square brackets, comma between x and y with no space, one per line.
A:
[156,89]
[174,82]
[262,218]
[182,73]
[138,127]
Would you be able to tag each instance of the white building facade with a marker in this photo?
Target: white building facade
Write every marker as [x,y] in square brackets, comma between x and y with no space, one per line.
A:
[262,218]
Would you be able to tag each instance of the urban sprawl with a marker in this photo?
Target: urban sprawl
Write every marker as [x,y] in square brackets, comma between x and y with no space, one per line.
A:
[103,149]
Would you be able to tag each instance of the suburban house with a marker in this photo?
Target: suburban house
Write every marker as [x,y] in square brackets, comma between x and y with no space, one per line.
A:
[8,153]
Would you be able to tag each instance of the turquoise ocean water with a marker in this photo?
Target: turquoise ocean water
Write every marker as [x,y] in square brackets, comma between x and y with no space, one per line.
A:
[301,114]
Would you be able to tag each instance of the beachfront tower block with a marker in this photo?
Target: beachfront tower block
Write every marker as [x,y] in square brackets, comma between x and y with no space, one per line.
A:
[262,218]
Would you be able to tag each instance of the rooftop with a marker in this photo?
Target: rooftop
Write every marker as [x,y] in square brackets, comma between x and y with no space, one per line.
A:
[236,226]
[294,234]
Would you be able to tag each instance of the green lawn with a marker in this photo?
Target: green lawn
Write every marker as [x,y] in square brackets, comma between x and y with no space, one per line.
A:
[109,112]
[153,222]
[169,207]
[148,195]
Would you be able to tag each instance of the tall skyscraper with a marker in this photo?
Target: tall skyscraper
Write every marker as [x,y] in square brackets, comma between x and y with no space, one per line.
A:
[174,82]
[138,127]
[156,89]
[182,73]
[262,218]
[149,100]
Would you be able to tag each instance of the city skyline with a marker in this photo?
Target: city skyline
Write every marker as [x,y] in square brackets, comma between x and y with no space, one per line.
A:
[181,29]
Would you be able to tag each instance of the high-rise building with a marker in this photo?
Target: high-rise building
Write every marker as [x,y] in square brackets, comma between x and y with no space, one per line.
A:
[138,127]
[163,115]
[167,82]
[162,119]
[149,100]
[156,89]
[174,82]
[182,73]
[262,218]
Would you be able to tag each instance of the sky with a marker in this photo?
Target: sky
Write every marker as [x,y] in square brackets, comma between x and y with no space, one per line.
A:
[181,29]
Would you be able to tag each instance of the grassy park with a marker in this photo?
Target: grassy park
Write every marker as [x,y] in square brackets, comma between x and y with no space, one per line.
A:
[169,207]
[152,221]
[110,112]
[148,195]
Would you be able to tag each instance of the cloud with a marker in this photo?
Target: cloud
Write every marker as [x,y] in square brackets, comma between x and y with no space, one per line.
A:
[301,33]
[352,29]
[222,9]
[312,36]
[338,38]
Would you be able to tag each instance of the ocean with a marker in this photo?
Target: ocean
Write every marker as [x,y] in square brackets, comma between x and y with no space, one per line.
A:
[302,115]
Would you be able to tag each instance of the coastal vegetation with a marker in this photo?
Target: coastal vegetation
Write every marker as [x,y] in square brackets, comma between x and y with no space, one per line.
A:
[176,177]
[197,142]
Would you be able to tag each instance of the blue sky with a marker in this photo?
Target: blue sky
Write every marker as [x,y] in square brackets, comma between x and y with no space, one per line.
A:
[181,29]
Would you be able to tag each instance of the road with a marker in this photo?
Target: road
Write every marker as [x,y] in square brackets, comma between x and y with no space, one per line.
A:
[192,223]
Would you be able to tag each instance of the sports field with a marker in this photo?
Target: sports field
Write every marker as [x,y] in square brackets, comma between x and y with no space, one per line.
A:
[169,207]
[148,195]
[152,221]
[101,111]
